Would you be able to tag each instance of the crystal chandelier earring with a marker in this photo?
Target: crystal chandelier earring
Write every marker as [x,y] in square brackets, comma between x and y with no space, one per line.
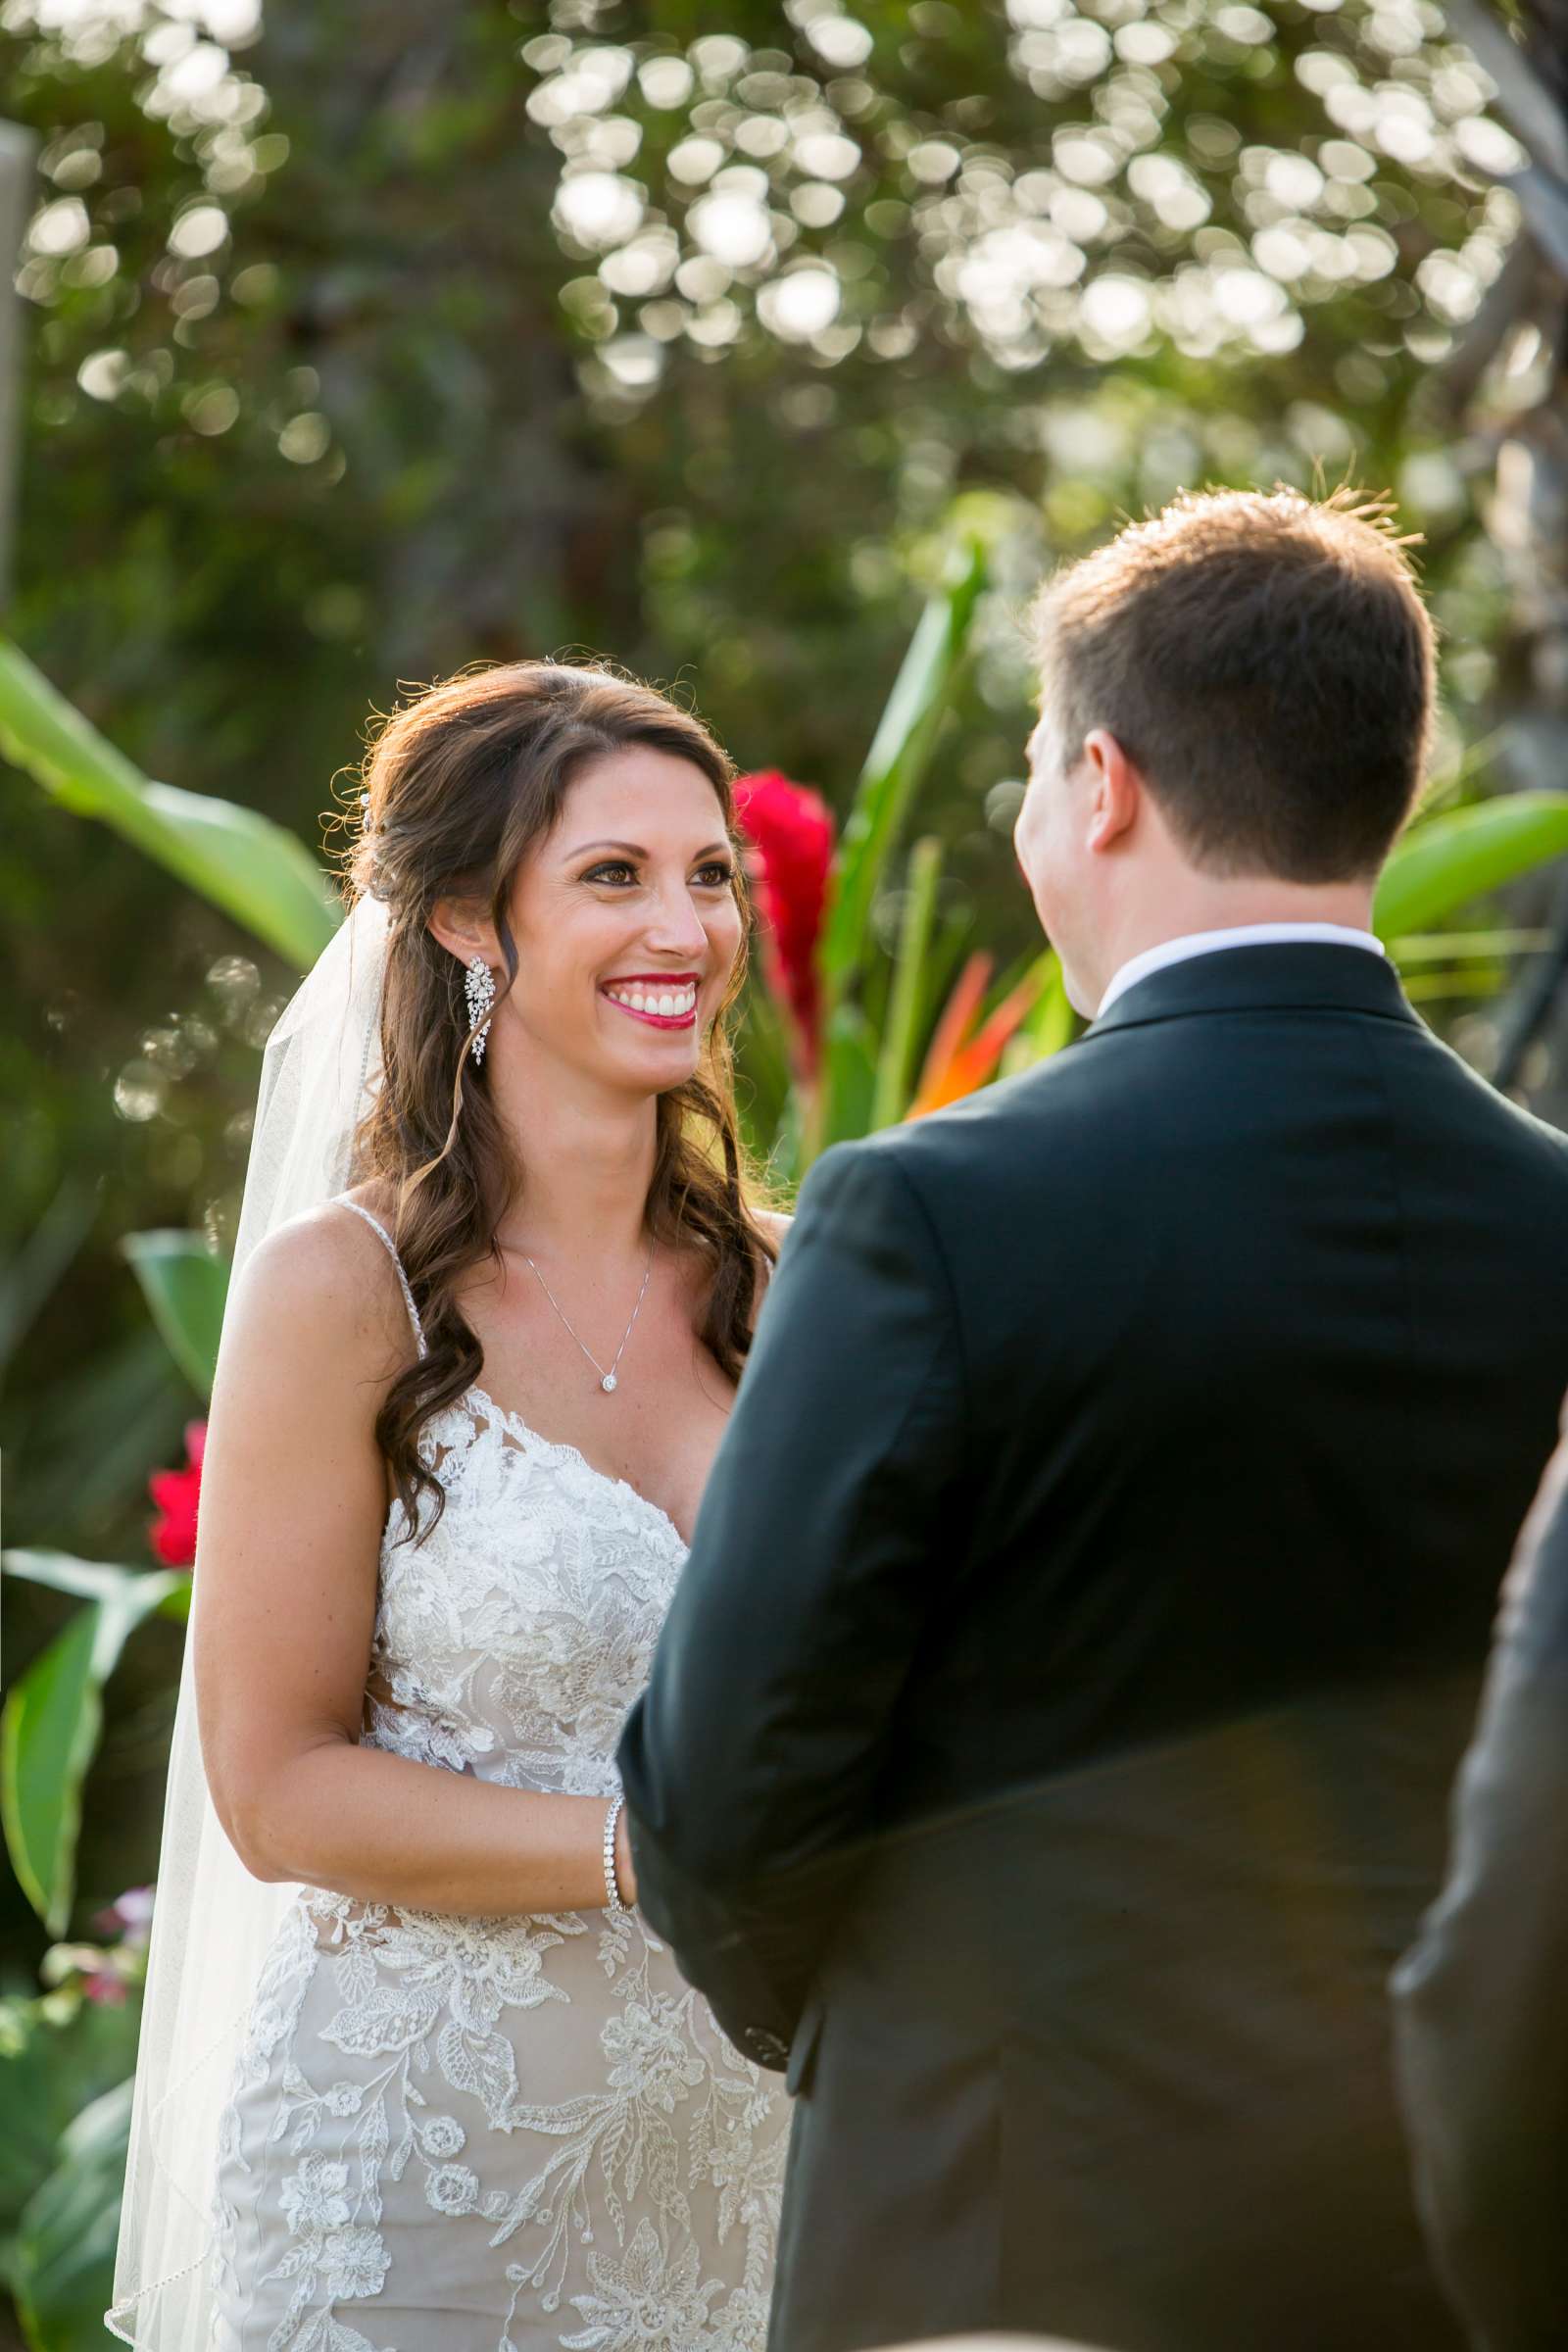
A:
[480,990]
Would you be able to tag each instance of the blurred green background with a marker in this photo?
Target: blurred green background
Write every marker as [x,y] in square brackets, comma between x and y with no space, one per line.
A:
[354,343]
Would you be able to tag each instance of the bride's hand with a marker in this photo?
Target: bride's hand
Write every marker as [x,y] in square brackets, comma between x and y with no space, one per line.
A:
[625,1873]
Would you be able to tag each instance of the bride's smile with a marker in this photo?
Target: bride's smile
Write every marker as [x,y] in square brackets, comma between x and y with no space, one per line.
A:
[666,999]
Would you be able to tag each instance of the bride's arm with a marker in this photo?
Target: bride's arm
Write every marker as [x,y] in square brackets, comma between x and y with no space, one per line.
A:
[292,1507]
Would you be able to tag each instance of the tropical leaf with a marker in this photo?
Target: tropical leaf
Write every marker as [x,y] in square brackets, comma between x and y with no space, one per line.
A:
[54,2057]
[86,1440]
[896,760]
[1052,1021]
[1426,946]
[1474,981]
[764,1093]
[53,1715]
[1464,853]
[1047,1028]
[850,1073]
[42,1259]
[185,1288]
[254,869]
[65,2251]
[896,1060]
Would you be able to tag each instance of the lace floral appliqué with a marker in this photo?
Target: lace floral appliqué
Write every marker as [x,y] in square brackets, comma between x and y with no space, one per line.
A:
[502,2131]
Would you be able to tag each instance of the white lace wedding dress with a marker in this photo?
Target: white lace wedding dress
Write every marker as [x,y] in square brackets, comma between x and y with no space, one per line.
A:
[497,2134]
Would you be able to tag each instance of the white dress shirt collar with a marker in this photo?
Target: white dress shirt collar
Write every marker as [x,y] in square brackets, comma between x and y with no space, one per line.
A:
[1243,935]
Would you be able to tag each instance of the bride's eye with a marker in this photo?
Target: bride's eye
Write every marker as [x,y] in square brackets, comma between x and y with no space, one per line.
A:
[617,872]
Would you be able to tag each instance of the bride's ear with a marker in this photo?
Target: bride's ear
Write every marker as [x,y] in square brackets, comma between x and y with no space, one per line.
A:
[464,928]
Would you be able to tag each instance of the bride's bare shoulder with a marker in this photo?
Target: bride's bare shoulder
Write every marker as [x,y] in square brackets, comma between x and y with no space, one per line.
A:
[323,1287]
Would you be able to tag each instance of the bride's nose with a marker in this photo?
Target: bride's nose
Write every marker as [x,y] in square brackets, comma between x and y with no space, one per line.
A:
[675,924]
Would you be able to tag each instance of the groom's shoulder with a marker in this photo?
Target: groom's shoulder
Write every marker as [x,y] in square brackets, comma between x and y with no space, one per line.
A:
[1065,1091]
[954,1154]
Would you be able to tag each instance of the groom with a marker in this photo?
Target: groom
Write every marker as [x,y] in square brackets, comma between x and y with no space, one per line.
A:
[1047,1753]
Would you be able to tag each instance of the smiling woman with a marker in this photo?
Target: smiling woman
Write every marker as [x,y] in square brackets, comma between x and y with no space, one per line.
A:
[457,1438]
[574,830]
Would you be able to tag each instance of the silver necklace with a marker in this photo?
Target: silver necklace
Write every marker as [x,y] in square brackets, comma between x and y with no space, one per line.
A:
[606,1380]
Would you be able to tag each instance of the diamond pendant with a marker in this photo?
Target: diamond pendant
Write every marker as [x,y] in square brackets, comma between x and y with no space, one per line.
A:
[607,1382]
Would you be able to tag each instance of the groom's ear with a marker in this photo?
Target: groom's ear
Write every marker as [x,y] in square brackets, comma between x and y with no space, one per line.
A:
[1115,791]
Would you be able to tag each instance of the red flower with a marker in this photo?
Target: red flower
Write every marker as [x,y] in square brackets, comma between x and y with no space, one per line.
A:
[176,1492]
[790,830]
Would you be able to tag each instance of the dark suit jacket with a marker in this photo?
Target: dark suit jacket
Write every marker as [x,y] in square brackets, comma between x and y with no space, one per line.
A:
[1482,2000]
[1048,1743]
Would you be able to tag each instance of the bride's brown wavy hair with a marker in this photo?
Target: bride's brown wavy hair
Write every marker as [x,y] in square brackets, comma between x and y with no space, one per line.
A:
[457,789]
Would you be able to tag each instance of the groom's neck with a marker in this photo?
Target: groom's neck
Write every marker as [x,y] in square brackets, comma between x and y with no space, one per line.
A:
[1177,904]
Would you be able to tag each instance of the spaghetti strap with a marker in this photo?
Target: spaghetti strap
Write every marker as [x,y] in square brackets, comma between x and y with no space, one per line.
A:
[378,1227]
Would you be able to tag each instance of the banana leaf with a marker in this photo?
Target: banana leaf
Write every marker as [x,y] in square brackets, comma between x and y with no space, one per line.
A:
[1464,853]
[254,869]
[53,1715]
[185,1288]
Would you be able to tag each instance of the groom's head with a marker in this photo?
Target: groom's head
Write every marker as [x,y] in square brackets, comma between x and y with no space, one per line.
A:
[1234,715]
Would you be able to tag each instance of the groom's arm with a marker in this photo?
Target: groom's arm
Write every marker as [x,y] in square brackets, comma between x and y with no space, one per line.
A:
[751,1762]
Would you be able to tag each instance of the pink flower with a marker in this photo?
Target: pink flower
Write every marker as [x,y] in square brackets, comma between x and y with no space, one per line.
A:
[790,830]
[128,1918]
[172,1533]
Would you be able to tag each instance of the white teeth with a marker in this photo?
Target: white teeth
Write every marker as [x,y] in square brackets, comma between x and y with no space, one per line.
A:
[666,1004]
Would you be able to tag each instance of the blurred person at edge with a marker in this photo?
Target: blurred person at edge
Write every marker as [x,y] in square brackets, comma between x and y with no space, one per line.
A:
[1046,1754]
[1479,2001]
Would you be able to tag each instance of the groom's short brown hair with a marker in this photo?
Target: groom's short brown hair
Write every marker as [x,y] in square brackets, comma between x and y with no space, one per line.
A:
[1267,664]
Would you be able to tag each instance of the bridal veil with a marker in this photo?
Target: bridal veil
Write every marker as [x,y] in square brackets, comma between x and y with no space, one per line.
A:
[212,1921]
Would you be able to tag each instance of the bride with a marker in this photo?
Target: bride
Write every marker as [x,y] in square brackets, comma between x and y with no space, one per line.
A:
[414,2077]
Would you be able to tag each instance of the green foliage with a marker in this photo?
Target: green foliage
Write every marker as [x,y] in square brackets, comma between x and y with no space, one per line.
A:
[53,1714]
[857,1083]
[58,2052]
[1463,853]
[895,1070]
[185,1288]
[27,1280]
[64,2263]
[244,863]
[900,752]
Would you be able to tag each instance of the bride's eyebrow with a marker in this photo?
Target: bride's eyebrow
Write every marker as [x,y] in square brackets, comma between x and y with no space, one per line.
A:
[632,848]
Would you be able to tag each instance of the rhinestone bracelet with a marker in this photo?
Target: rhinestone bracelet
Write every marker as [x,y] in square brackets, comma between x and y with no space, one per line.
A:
[613,1902]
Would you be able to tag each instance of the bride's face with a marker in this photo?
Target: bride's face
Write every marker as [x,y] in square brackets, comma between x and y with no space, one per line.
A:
[628,925]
